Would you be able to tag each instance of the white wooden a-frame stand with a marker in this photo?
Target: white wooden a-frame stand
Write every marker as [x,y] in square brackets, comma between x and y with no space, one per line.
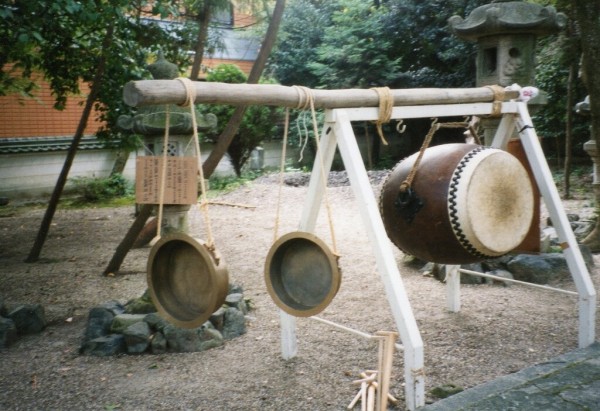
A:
[337,132]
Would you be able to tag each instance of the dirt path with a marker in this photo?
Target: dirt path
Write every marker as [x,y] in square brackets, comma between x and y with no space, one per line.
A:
[499,330]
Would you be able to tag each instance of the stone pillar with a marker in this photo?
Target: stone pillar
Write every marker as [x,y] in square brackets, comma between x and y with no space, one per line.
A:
[150,122]
[175,217]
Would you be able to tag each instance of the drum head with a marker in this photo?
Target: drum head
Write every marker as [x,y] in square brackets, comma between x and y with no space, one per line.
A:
[186,282]
[497,202]
[302,274]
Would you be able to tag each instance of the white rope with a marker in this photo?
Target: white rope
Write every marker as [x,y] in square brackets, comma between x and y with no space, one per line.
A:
[510,280]
[190,91]
[281,172]
[353,331]
[163,176]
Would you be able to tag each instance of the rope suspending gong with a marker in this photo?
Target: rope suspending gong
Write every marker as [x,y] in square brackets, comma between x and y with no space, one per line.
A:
[386,104]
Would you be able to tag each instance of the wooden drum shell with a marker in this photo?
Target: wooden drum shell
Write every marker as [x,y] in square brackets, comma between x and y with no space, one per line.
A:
[432,235]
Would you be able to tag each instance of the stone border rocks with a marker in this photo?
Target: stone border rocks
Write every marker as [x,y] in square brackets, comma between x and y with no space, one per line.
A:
[136,328]
[24,319]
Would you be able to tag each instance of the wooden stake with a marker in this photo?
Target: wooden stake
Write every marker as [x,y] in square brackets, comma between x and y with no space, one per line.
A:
[226,203]
[371,398]
[358,396]
[380,368]
[388,358]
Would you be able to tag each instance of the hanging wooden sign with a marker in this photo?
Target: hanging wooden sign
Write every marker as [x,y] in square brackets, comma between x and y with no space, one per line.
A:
[181,180]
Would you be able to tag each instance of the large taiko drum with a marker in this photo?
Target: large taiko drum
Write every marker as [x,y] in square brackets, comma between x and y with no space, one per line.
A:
[466,203]
[187,281]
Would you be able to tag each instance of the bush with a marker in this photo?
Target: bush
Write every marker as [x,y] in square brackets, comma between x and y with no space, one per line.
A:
[258,123]
[93,189]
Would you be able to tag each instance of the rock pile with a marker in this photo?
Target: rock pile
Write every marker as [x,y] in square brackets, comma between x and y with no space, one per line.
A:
[546,267]
[136,328]
[24,319]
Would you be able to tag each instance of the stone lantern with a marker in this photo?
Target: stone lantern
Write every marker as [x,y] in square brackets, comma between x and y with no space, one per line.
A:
[150,123]
[506,33]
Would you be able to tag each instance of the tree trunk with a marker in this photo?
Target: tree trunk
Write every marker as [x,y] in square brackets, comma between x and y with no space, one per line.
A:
[569,130]
[34,254]
[120,161]
[127,242]
[201,40]
[220,148]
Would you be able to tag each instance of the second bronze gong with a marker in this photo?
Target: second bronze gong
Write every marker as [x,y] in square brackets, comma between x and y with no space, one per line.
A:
[302,274]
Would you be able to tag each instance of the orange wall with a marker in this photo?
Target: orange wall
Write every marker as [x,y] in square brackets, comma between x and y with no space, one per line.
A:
[26,117]
[241,19]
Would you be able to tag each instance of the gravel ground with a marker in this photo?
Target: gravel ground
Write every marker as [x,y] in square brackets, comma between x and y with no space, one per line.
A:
[498,331]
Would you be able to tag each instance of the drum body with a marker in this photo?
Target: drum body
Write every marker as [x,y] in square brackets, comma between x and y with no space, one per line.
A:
[187,281]
[301,274]
[469,203]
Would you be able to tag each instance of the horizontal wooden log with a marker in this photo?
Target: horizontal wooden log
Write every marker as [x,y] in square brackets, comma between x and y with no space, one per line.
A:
[149,92]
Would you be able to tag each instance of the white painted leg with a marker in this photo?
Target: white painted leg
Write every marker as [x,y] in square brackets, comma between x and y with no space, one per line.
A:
[289,343]
[504,131]
[318,179]
[579,272]
[386,263]
[453,288]
[316,189]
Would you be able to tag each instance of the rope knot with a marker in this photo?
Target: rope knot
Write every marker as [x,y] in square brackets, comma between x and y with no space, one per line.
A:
[499,94]
[190,94]
[306,99]
[386,104]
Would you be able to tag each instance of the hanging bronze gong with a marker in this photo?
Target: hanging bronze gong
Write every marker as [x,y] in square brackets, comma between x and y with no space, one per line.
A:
[466,203]
[187,281]
[302,274]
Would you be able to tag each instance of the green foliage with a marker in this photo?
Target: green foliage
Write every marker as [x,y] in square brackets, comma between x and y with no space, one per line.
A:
[556,56]
[65,40]
[430,55]
[300,34]
[355,48]
[228,183]
[552,75]
[227,73]
[257,125]
[93,190]
[352,43]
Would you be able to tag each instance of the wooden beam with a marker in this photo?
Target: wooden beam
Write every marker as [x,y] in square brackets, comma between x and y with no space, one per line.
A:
[149,92]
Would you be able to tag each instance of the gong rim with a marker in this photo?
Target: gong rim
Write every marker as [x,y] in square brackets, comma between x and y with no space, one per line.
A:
[186,281]
[302,274]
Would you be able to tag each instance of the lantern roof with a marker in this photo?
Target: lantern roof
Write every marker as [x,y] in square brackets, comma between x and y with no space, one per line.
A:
[508,17]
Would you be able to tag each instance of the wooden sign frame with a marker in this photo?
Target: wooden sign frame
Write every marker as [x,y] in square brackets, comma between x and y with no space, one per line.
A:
[181,183]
